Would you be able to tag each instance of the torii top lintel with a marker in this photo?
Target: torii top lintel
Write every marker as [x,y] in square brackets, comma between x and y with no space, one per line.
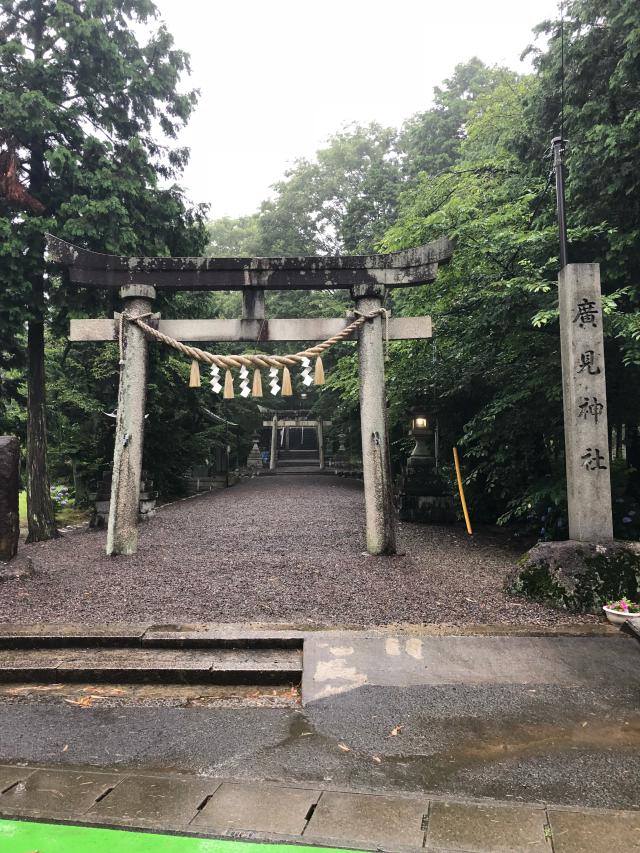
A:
[406,268]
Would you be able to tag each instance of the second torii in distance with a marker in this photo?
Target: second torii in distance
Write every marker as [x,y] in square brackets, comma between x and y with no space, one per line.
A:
[366,276]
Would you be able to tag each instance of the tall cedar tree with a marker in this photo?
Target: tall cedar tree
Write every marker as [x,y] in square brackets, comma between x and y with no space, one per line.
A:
[80,91]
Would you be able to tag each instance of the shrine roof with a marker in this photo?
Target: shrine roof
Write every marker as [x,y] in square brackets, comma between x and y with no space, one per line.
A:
[406,268]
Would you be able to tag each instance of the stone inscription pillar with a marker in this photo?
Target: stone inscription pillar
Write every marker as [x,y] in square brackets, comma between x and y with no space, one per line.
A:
[122,532]
[9,492]
[274,443]
[376,463]
[585,404]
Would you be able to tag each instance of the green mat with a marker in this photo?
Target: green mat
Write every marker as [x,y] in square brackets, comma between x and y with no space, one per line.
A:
[17,836]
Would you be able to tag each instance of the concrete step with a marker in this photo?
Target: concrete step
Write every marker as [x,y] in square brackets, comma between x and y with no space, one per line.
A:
[145,634]
[140,665]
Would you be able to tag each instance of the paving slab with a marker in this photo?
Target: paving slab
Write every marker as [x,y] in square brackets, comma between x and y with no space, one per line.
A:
[478,828]
[56,793]
[343,662]
[257,808]
[584,832]
[10,775]
[154,801]
[368,819]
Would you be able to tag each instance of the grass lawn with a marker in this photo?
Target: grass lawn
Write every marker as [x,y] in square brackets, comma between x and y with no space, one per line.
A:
[26,837]
[66,515]
[22,506]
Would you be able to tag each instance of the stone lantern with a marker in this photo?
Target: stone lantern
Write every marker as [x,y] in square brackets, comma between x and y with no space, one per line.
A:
[420,430]
[424,493]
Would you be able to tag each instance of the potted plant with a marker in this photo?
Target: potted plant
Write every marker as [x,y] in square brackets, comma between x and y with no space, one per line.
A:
[622,611]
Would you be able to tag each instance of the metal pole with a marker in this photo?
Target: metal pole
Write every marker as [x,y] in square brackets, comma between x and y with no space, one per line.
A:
[558,144]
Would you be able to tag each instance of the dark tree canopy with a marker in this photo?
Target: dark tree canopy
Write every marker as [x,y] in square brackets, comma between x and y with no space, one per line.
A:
[82,100]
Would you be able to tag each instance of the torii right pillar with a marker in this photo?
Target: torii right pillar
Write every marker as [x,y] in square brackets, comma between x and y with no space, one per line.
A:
[376,458]
[585,404]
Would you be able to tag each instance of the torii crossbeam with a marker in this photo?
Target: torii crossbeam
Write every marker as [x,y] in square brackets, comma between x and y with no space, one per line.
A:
[366,276]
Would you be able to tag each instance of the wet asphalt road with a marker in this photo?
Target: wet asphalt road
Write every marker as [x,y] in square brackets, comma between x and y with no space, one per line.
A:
[559,745]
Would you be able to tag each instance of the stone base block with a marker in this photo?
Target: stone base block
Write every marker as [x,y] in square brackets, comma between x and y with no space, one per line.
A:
[19,567]
[578,576]
[427,509]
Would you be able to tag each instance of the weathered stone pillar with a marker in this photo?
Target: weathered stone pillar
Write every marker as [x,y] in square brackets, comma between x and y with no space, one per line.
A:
[274,443]
[321,443]
[253,303]
[9,495]
[122,533]
[376,464]
[585,404]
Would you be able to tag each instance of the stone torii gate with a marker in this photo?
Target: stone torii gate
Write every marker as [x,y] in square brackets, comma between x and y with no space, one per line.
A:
[281,421]
[367,277]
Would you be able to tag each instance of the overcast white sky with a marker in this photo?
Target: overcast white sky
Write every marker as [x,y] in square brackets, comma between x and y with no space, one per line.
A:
[277,77]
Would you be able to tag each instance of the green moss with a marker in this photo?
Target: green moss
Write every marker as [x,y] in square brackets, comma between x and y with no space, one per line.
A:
[605,577]
[538,582]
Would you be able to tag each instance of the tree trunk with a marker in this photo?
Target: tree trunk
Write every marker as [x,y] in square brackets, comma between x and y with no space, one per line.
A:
[42,524]
[41,520]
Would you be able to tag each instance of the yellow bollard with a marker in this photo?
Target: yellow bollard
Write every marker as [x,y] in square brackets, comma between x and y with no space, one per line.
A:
[461,490]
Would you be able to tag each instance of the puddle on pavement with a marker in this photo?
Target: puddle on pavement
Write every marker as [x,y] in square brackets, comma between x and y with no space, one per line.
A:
[175,695]
[470,744]
[474,745]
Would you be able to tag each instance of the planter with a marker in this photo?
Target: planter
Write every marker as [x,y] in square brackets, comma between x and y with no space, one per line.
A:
[617,617]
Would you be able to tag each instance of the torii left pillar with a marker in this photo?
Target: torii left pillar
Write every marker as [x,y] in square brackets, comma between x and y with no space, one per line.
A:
[122,532]
[376,458]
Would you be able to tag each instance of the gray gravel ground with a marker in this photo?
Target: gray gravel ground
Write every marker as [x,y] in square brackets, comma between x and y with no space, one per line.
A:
[277,549]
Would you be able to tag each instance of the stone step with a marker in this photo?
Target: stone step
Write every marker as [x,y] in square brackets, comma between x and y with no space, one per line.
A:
[299,469]
[145,634]
[299,463]
[195,666]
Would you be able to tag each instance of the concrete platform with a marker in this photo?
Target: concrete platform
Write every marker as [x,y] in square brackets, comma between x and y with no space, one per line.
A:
[342,662]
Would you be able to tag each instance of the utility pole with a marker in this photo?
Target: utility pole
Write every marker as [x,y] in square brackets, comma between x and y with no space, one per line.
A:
[558,144]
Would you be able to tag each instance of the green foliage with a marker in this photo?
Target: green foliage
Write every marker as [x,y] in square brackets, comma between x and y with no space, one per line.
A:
[602,123]
[431,141]
[85,86]
[229,237]
[341,201]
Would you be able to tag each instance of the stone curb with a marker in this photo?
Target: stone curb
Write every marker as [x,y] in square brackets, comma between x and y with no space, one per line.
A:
[121,632]
[306,814]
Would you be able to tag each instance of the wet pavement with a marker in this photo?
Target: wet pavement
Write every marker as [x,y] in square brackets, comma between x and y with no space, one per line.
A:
[549,719]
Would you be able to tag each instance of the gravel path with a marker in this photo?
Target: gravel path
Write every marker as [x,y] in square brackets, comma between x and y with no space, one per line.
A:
[278,549]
